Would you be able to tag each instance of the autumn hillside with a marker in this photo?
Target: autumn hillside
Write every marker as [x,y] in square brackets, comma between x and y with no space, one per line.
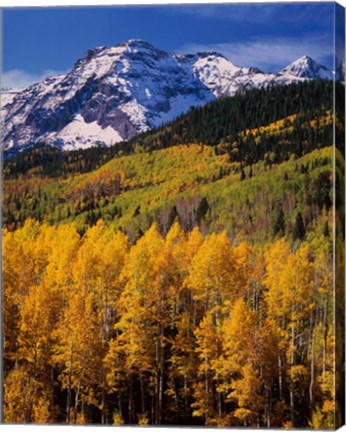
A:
[244,179]
[182,278]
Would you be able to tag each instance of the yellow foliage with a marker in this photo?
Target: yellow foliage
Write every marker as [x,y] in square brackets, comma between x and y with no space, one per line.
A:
[117,419]
[42,409]
[143,420]
[101,313]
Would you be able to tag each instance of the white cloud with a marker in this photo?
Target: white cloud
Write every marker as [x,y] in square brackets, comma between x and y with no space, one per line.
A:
[271,55]
[18,78]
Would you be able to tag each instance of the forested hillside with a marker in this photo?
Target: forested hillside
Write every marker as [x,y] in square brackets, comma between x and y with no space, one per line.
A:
[221,122]
[184,277]
[244,137]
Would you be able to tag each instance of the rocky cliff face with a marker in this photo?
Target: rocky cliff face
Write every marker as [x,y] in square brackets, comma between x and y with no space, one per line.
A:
[114,93]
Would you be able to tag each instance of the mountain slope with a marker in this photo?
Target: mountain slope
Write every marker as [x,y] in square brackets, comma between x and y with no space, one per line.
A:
[217,123]
[114,93]
[148,179]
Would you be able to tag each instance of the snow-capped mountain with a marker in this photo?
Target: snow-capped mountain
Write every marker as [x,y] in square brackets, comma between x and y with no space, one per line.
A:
[306,67]
[222,77]
[7,95]
[114,93]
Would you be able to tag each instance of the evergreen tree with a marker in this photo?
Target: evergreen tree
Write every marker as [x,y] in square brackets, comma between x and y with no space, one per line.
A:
[202,209]
[173,216]
[299,228]
[279,223]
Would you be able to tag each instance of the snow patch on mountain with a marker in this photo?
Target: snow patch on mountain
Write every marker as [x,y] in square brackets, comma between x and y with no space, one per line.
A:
[137,115]
[79,134]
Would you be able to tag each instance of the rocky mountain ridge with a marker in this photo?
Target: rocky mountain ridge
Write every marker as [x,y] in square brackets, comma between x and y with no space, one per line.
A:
[114,93]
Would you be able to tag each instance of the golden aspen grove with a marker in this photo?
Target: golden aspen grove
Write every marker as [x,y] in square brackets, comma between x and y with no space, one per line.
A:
[182,278]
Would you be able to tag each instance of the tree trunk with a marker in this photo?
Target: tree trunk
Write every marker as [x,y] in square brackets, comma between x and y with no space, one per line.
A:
[120,408]
[69,391]
[157,383]
[162,369]
[312,372]
[104,403]
[325,335]
[104,344]
[142,393]
[131,403]
[206,383]
[269,408]
[280,375]
[219,401]
[292,401]
[76,403]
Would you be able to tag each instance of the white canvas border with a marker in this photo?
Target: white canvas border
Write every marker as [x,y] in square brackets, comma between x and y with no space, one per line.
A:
[52,3]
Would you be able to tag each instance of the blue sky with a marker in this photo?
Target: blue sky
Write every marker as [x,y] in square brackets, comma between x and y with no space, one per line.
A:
[43,41]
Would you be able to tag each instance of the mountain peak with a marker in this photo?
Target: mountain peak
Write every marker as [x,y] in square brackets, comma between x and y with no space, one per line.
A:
[306,58]
[305,61]
[138,43]
[306,67]
[204,54]
[131,45]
